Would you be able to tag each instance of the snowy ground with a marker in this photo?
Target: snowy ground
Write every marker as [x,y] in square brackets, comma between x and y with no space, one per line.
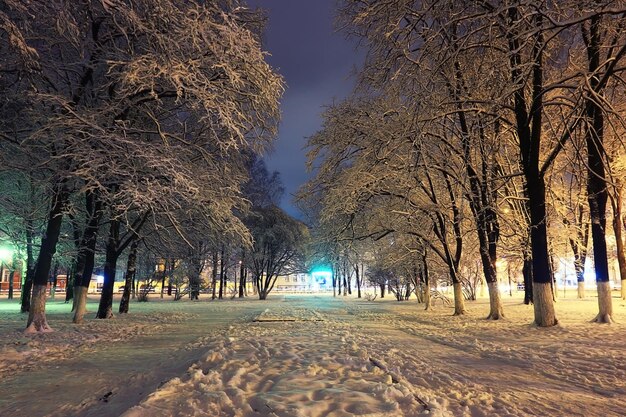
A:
[314,356]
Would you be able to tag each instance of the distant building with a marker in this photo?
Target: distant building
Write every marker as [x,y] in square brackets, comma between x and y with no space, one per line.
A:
[294,283]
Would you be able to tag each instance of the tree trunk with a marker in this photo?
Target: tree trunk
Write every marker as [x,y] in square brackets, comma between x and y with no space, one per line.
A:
[30,270]
[489,271]
[579,247]
[69,285]
[527,272]
[214,275]
[37,315]
[495,304]
[55,274]
[105,308]
[163,274]
[459,301]
[581,289]
[221,292]
[170,275]
[619,239]
[339,279]
[597,193]
[382,290]
[528,126]
[131,268]
[85,259]
[605,305]
[545,316]
[543,304]
[242,274]
[358,280]
[11,277]
[427,300]
[80,298]
[481,204]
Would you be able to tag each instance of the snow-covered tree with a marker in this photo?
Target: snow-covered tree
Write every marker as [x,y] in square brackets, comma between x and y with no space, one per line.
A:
[145,102]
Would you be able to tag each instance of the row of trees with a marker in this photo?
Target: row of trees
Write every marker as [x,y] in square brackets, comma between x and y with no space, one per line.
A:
[479,129]
[130,125]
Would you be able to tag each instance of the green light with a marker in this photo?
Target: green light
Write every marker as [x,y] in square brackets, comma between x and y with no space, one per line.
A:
[322,275]
[6,254]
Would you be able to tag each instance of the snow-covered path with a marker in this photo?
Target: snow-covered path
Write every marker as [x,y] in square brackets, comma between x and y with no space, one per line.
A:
[319,356]
[102,367]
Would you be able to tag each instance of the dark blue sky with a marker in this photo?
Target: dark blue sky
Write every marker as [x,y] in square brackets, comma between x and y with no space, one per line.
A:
[317,63]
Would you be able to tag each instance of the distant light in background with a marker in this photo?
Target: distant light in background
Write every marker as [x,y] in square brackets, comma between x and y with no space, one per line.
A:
[6,253]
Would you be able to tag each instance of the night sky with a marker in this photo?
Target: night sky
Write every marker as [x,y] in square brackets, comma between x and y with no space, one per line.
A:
[317,64]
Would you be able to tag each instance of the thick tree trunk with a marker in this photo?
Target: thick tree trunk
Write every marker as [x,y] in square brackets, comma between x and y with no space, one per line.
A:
[27,286]
[131,268]
[105,308]
[495,304]
[545,315]
[543,304]
[85,259]
[83,279]
[382,290]
[37,314]
[427,300]
[490,274]
[581,288]
[80,297]
[459,301]
[528,127]
[37,321]
[597,193]
[605,306]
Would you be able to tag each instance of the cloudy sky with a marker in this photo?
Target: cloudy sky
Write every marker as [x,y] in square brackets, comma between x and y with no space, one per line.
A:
[317,64]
